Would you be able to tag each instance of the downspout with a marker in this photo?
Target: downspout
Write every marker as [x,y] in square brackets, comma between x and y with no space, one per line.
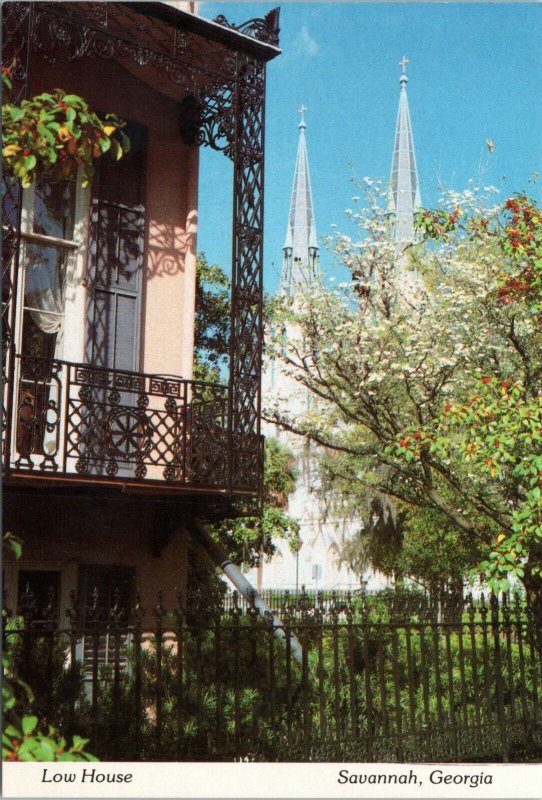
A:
[219,557]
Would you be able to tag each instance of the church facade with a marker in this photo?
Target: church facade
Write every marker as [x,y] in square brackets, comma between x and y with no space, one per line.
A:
[324,526]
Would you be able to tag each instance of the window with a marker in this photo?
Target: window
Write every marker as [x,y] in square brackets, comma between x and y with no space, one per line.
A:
[48,227]
[106,593]
[38,594]
[106,587]
[49,230]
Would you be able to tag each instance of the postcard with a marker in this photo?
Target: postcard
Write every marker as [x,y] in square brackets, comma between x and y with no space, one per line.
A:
[272,429]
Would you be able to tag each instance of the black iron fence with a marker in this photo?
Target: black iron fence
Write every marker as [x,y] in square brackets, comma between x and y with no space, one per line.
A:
[376,681]
[409,599]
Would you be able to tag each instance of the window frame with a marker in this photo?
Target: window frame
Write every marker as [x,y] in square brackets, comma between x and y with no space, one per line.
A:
[75,268]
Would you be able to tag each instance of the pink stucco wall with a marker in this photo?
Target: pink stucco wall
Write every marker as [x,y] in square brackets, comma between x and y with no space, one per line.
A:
[167,327]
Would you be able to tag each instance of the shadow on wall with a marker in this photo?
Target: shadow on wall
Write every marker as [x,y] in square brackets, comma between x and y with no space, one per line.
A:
[168,247]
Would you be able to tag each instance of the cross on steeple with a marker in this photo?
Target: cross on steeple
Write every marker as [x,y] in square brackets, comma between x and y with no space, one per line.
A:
[302,112]
[403,63]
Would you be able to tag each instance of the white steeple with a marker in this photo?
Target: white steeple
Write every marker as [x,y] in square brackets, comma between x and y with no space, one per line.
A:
[404,174]
[300,251]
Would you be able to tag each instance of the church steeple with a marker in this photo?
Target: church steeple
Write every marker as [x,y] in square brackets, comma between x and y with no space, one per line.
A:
[300,250]
[405,188]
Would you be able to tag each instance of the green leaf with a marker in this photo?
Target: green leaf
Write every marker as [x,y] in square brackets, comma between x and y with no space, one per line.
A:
[29,724]
[29,162]
[73,99]
[16,113]
[79,741]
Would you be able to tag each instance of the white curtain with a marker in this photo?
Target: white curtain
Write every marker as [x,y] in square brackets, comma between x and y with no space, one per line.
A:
[44,291]
[44,298]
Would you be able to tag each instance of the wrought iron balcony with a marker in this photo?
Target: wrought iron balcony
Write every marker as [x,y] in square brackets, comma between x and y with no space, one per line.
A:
[67,421]
[78,422]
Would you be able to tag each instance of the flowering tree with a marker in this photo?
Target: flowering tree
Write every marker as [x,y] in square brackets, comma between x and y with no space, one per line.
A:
[419,334]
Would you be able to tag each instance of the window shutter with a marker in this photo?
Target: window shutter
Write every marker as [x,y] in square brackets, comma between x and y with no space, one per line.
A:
[115,282]
[116,257]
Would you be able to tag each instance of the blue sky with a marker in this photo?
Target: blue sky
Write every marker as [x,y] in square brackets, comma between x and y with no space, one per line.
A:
[475,73]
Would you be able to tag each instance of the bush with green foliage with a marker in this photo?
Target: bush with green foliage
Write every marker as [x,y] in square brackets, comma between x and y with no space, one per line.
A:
[25,735]
[56,131]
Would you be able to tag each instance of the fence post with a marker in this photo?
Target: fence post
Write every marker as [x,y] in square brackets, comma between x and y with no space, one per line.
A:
[394,625]
[252,619]
[461,652]
[304,603]
[354,726]
[180,620]
[93,614]
[369,709]
[73,617]
[507,630]
[519,619]
[159,613]
[474,666]
[485,656]
[287,618]
[449,618]
[116,613]
[319,620]
[494,605]
[235,614]
[435,626]
[425,681]
[334,616]
[137,613]
[272,677]
[410,675]
[27,609]
[217,642]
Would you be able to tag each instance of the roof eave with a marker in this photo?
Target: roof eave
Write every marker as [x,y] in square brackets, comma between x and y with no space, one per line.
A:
[229,37]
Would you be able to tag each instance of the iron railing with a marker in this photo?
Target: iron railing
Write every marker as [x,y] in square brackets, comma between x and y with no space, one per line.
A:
[88,423]
[374,684]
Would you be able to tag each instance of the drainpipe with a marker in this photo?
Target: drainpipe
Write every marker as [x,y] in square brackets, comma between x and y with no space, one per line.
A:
[219,557]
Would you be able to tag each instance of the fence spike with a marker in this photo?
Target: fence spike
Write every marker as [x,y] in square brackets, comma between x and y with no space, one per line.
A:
[92,610]
[49,611]
[72,612]
[27,603]
[138,611]
[116,612]
[235,609]
[180,611]
[159,611]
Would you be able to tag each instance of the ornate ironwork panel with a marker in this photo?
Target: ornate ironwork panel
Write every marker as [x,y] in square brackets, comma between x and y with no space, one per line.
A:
[246,339]
[266,29]
[78,420]
[72,31]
